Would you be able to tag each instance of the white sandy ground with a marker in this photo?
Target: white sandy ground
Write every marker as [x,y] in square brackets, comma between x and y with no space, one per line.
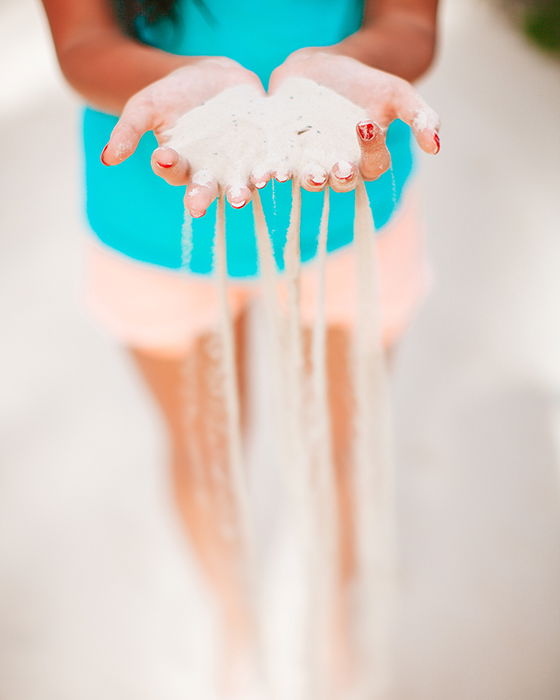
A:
[92,584]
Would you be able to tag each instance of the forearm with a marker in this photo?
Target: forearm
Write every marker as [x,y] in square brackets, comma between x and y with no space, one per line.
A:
[108,69]
[397,44]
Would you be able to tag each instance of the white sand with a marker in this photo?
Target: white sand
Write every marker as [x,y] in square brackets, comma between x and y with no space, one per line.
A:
[240,131]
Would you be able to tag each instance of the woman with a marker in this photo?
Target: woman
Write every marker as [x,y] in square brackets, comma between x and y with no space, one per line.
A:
[150,62]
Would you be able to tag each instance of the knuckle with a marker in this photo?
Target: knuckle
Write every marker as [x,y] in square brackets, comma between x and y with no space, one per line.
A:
[372,168]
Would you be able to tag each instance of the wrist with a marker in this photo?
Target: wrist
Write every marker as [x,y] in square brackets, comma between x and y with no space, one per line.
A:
[396,44]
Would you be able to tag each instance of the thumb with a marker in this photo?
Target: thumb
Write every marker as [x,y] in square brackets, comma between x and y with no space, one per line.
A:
[375,158]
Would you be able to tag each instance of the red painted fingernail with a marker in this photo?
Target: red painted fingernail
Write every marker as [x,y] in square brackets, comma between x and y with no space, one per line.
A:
[103,154]
[164,165]
[196,213]
[367,130]
[343,171]
[314,181]
[437,142]
[239,205]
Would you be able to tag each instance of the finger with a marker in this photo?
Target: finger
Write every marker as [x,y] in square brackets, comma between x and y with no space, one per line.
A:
[314,177]
[281,173]
[136,119]
[375,158]
[238,195]
[260,177]
[200,194]
[169,165]
[425,123]
[343,176]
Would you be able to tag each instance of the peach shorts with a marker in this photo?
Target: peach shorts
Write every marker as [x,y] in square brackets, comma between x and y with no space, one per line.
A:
[162,311]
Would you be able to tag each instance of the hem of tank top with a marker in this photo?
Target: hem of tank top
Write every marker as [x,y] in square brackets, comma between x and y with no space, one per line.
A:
[180,271]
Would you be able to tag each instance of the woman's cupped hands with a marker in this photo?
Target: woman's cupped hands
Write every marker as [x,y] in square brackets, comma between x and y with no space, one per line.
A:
[323,122]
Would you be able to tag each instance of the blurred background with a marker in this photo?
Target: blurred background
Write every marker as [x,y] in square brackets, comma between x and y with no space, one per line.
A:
[95,594]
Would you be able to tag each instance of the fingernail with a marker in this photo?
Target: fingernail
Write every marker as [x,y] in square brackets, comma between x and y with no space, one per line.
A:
[260,185]
[343,171]
[282,177]
[238,205]
[164,165]
[317,181]
[103,155]
[367,130]
[317,177]
[437,142]
[197,213]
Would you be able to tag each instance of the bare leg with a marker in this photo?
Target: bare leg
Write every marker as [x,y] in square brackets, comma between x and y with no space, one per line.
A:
[193,412]
[341,417]
[341,413]
[339,381]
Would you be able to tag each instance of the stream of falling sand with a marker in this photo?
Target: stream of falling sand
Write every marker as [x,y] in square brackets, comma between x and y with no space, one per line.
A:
[374,497]
[287,368]
[299,404]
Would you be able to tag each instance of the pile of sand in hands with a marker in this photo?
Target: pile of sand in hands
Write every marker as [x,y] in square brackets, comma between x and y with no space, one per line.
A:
[241,138]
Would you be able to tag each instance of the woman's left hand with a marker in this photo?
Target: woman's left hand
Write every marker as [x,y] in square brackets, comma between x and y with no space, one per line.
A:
[385,97]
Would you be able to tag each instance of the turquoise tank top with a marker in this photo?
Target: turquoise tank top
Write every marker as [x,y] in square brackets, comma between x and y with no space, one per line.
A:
[136,213]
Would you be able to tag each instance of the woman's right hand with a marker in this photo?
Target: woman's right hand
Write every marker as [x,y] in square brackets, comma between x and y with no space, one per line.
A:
[158,107]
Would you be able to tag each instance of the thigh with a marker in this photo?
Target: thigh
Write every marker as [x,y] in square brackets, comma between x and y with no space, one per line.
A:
[186,385]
